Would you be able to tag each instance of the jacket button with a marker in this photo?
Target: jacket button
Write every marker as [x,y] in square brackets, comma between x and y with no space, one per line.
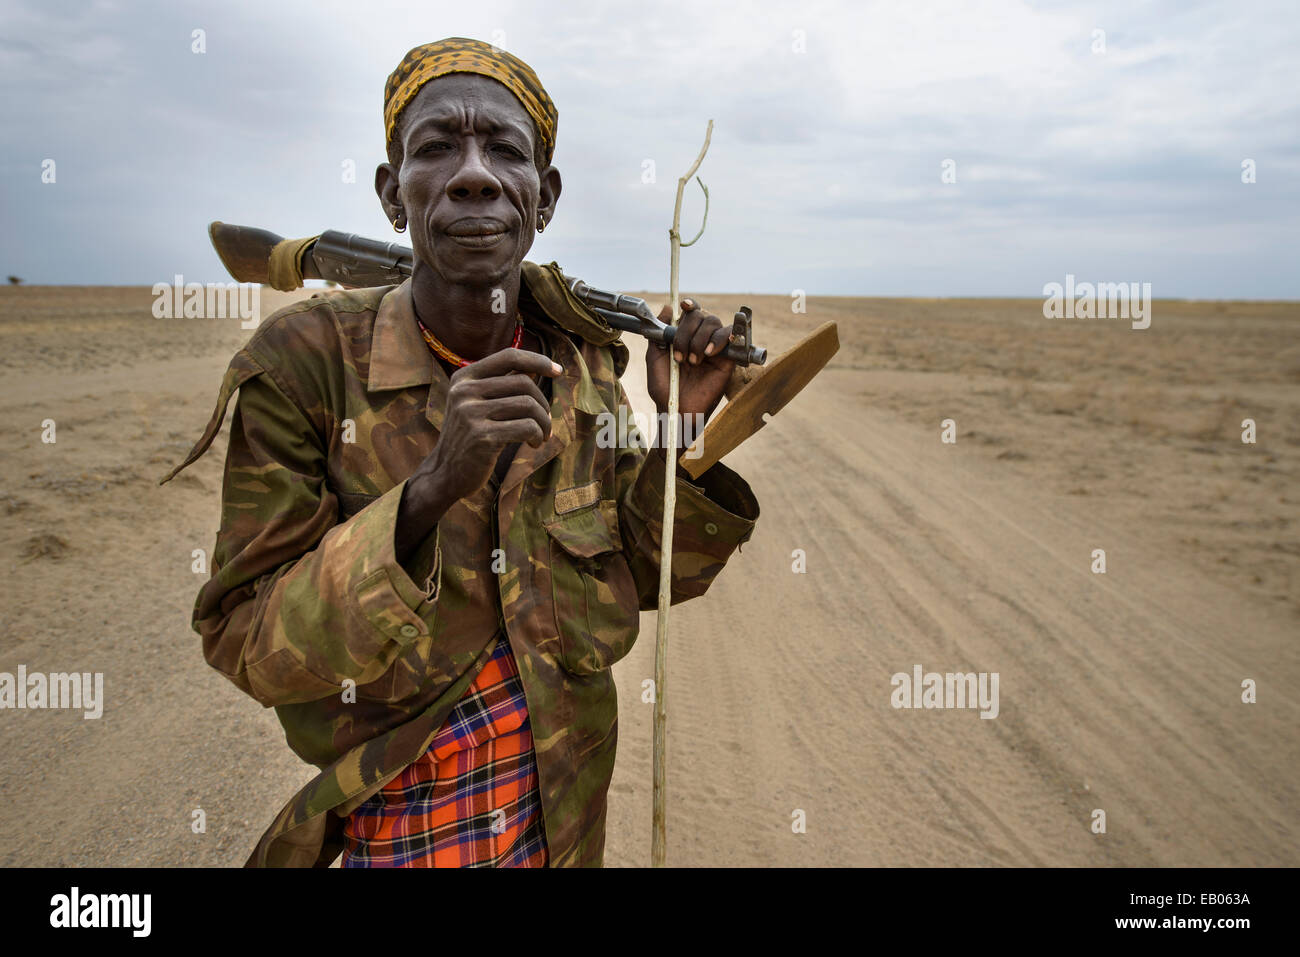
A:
[409,631]
[710,528]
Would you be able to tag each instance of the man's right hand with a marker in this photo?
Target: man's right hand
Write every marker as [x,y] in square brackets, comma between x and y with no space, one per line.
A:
[492,403]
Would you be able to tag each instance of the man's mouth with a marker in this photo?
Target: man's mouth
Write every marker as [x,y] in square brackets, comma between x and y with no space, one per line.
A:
[477,233]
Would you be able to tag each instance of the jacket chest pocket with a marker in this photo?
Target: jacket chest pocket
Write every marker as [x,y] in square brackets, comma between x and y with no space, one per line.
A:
[592,589]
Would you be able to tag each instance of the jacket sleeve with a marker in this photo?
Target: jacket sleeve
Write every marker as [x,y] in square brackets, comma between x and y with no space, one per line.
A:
[715,514]
[298,601]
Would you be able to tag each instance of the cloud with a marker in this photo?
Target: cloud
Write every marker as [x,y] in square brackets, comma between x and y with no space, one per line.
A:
[832,122]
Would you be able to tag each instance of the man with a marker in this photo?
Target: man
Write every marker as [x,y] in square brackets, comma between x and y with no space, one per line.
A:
[428,557]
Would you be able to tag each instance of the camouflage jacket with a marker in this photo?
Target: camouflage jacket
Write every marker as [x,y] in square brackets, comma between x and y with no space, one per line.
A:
[308,610]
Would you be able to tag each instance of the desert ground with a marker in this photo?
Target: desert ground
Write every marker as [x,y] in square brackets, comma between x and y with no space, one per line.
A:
[1119,692]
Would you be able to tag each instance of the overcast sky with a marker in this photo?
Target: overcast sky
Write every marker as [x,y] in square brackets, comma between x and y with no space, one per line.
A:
[832,125]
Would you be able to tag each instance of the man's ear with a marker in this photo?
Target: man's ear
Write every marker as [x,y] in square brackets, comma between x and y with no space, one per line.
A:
[549,193]
[386,186]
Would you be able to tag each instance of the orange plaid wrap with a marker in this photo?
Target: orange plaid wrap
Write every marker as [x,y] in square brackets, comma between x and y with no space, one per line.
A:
[472,799]
[459,55]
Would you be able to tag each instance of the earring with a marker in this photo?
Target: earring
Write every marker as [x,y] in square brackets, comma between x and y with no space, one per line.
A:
[541,223]
[398,224]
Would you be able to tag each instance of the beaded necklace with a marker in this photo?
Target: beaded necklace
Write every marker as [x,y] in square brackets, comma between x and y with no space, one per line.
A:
[448,356]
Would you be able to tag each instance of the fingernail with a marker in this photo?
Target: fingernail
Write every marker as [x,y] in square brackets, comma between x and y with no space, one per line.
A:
[695,360]
[556,367]
[708,350]
[677,356]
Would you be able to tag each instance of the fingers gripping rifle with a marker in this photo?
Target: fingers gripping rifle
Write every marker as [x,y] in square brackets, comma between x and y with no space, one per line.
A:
[258,255]
[634,315]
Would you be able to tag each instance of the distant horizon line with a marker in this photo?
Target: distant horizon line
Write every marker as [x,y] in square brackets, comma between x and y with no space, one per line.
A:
[318,284]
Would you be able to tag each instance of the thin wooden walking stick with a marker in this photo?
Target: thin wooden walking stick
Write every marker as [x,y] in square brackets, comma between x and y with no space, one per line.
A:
[659,840]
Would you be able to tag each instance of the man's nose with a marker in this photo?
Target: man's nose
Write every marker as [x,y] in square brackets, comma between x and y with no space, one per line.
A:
[473,178]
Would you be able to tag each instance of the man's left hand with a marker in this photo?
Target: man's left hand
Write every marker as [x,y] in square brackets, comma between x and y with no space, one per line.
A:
[704,372]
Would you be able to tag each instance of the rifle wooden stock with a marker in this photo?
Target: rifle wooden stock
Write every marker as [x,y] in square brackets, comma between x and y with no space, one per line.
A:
[350,260]
[245,251]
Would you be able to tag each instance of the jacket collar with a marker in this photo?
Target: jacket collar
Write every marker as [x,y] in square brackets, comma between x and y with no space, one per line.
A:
[399,357]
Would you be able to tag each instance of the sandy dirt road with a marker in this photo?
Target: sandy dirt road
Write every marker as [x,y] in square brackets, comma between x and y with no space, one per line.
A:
[1119,692]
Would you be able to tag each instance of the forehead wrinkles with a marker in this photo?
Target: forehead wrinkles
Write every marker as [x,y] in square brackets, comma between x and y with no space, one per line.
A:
[481,105]
[468,118]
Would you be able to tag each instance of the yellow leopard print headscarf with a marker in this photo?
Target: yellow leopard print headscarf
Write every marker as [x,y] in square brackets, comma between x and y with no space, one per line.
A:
[459,55]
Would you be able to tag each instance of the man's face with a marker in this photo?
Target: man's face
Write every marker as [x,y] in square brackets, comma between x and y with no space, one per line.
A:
[467,182]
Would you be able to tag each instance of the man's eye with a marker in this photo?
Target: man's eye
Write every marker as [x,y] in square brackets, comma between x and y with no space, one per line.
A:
[509,150]
[431,147]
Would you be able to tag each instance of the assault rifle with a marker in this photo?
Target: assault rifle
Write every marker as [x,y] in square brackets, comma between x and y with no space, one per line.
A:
[355,261]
